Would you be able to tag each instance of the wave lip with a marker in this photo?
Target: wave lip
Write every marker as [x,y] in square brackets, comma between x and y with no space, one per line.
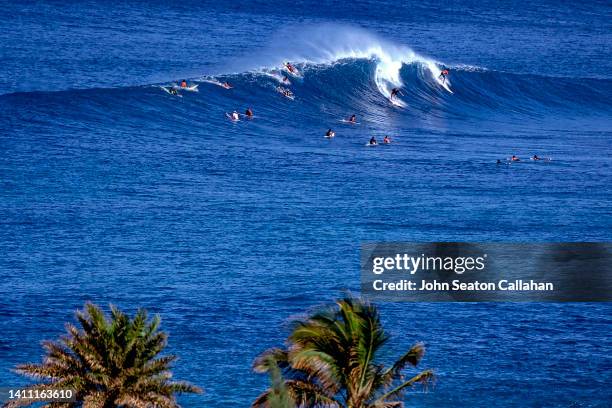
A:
[327,44]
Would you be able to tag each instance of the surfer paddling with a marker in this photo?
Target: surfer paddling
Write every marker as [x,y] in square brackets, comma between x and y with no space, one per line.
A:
[330,133]
[248,113]
[373,141]
[387,140]
[352,119]
[183,84]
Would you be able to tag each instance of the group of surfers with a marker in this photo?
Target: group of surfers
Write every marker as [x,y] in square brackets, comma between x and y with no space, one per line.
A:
[286,92]
[353,119]
[395,92]
[235,116]
[248,113]
[515,158]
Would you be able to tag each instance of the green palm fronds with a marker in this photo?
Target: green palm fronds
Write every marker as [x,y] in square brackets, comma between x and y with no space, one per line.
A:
[331,361]
[110,362]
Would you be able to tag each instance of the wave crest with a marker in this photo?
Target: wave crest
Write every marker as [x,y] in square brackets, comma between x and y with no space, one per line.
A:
[326,44]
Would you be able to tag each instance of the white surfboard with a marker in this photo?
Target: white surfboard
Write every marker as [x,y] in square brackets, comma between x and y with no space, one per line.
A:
[191,88]
[295,73]
[397,102]
[229,116]
[443,84]
[218,83]
[167,90]
[281,91]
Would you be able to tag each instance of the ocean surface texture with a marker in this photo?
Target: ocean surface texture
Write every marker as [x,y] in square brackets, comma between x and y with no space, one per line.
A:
[116,191]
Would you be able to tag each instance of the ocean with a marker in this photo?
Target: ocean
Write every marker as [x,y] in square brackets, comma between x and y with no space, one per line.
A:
[115,191]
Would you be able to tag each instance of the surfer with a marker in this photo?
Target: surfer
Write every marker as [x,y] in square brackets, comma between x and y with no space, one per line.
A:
[235,116]
[290,68]
[373,141]
[248,113]
[514,158]
[443,75]
[286,80]
[387,140]
[395,92]
[227,85]
[330,133]
[285,92]
[535,157]
[172,91]
[183,84]
[353,119]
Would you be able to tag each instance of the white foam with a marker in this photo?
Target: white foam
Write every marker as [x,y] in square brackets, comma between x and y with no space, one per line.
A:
[329,43]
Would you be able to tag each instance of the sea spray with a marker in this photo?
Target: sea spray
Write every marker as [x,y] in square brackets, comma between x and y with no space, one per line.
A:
[326,44]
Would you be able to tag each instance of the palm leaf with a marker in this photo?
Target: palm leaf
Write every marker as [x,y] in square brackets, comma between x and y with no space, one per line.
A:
[111,361]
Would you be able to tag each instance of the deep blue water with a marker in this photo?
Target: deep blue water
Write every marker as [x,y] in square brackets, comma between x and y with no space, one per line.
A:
[115,191]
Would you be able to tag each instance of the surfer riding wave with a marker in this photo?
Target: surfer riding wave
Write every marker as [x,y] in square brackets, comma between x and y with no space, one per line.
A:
[375,67]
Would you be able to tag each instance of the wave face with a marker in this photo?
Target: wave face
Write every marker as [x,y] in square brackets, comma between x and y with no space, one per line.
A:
[348,65]
[348,70]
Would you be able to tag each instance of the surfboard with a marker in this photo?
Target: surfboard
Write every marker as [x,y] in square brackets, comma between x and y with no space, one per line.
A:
[218,83]
[278,76]
[397,102]
[167,90]
[371,145]
[349,122]
[280,90]
[329,137]
[191,88]
[229,116]
[443,84]
[295,73]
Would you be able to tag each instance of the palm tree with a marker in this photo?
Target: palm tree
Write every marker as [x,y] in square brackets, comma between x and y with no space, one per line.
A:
[278,396]
[331,361]
[109,363]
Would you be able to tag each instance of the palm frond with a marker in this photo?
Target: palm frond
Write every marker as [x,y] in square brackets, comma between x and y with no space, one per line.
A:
[112,361]
[412,357]
[263,361]
[331,361]
[421,378]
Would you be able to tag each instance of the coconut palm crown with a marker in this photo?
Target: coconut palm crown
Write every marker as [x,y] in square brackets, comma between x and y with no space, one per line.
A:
[109,362]
[331,360]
